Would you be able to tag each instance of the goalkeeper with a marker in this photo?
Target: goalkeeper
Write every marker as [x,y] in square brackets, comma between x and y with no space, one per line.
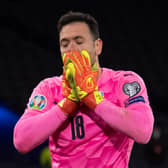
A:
[91,115]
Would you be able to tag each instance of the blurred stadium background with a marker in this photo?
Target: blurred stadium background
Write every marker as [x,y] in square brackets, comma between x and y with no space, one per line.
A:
[135,36]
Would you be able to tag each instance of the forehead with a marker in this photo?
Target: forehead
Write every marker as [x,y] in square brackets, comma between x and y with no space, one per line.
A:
[74,29]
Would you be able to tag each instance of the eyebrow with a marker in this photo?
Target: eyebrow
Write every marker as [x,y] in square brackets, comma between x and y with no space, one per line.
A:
[64,39]
[75,38]
[78,37]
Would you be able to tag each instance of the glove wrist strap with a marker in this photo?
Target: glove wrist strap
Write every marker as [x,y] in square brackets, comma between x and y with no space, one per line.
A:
[93,99]
[68,106]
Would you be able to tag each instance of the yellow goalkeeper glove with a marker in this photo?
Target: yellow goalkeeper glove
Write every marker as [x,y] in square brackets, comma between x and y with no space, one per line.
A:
[83,77]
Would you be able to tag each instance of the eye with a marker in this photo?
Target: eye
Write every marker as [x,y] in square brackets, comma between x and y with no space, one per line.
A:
[64,43]
[79,40]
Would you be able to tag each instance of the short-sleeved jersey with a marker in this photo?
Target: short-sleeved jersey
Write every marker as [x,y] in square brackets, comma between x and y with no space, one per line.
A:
[85,140]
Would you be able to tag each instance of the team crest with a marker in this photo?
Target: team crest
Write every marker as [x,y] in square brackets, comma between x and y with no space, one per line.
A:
[38,102]
[131,89]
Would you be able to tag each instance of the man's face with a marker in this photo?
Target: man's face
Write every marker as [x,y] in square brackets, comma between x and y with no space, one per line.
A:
[77,36]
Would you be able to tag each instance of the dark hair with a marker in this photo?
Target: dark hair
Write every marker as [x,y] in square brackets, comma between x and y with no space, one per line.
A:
[70,17]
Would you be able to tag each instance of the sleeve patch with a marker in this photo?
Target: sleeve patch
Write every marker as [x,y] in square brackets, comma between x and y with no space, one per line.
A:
[131,89]
[38,102]
[134,100]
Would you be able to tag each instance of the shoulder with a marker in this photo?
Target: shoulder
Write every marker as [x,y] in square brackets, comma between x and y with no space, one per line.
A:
[44,93]
[128,86]
[125,75]
[50,82]
[128,79]
[122,75]
[131,88]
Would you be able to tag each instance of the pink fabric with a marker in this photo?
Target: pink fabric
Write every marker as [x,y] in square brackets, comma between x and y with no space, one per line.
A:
[102,138]
[31,131]
[128,121]
[35,126]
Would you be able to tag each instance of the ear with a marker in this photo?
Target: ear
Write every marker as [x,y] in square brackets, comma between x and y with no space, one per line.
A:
[98,46]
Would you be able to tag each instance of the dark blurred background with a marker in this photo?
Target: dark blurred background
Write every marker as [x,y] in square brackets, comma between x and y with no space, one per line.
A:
[135,36]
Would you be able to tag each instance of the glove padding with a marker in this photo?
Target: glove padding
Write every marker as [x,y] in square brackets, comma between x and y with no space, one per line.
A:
[68,86]
[82,75]
[70,102]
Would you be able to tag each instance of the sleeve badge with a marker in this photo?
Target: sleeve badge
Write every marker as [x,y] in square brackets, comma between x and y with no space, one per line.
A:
[38,102]
[131,89]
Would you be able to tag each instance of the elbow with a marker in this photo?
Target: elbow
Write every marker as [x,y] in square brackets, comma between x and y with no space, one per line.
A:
[143,137]
[144,132]
[19,143]
[20,148]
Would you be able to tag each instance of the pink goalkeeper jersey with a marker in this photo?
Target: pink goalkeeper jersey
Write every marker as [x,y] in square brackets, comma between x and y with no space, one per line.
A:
[87,140]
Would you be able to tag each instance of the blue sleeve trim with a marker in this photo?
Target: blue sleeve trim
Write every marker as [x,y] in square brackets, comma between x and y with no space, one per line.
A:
[134,100]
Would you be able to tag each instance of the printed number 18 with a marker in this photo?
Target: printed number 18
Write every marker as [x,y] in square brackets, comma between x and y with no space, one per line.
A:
[78,123]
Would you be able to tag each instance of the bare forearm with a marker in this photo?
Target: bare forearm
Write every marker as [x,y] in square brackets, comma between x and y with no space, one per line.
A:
[31,131]
[136,123]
